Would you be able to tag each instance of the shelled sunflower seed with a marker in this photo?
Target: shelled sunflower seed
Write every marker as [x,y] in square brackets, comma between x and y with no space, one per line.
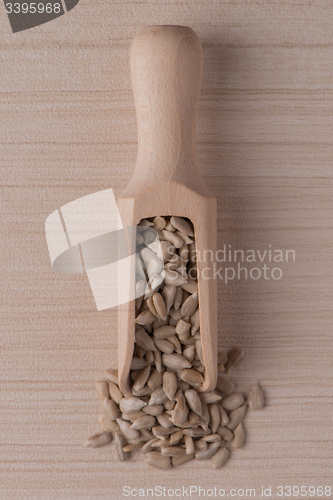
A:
[167,418]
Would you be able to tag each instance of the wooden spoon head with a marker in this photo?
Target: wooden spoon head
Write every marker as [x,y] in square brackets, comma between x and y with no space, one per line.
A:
[165,199]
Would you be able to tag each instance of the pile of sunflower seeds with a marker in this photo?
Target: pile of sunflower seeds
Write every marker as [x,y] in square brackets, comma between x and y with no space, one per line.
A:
[166,417]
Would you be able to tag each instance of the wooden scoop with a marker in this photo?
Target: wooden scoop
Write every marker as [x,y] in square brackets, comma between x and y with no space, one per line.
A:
[166,70]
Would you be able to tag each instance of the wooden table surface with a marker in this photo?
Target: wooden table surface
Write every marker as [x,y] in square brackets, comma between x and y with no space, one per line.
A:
[264,144]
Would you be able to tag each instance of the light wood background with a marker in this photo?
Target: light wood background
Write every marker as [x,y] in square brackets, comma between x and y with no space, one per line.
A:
[264,144]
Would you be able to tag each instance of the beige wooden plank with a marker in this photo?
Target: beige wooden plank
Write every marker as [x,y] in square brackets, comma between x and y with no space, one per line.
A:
[264,143]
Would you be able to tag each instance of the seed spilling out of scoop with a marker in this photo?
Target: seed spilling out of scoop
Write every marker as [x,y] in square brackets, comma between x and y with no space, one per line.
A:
[166,418]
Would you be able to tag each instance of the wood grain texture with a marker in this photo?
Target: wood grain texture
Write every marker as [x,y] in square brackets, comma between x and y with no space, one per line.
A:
[264,144]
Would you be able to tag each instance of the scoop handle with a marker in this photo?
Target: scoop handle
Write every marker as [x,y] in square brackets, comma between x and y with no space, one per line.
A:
[166,71]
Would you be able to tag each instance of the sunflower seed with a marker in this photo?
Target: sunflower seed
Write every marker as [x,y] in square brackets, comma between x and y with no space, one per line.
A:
[205,415]
[191,286]
[169,405]
[173,451]
[168,294]
[133,446]
[145,317]
[213,438]
[239,436]
[159,223]
[200,445]
[154,410]
[109,425]
[158,361]
[115,393]
[154,267]
[138,363]
[178,299]
[131,417]
[176,437]
[215,417]
[164,346]
[193,401]
[154,283]
[190,305]
[141,352]
[176,344]
[131,404]
[173,278]
[102,389]
[225,433]
[256,397]
[196,432]
[175,261]
[164,420]
[125,427]
[181,460]
[189,353]
[184,253]
[198,348]
[158,397]
[158,461]
[155,380]
[144,340]
[159,305]
[111,409]
[220,458]
[145,222]
[175,361]
[180,411]
[195,420]
[175,239]
[210,397]
[151,306]
[145,391]
[233,401]
[141,380]
[99,439]
[147,447]
[190,341]
[223,415]
[170,227]
[162,441]
[146,422]
[235,417]
[182,327]
[166,249]
[195,321]
[160,431]
[164,332]
[176,315]
[204,455]
[147,434]
[192,377]
[170,384]
[189,445]
[182,225]
[120,445]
